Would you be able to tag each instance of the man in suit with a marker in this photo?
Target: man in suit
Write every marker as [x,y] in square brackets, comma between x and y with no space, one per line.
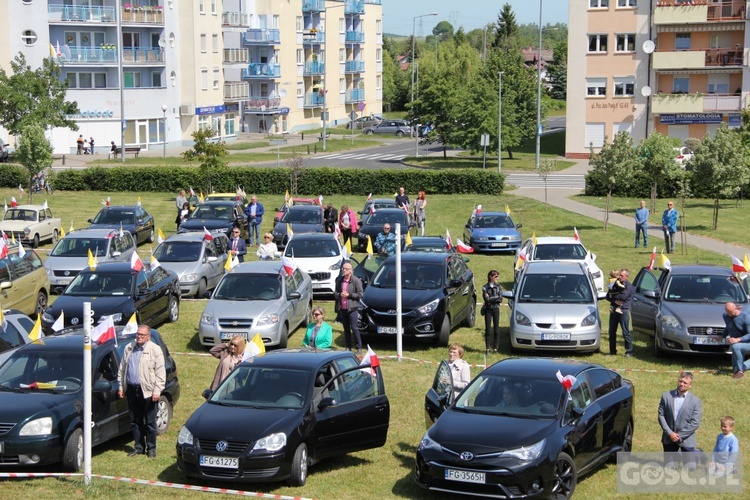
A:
[680,413]
[348,293]
[237,246]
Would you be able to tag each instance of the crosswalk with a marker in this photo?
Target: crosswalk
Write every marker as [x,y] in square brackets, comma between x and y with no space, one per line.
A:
[360,156]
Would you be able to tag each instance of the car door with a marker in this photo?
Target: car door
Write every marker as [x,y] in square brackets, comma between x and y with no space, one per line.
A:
[643,309]
[602,388]
[440,395]
[145,298]
[456,290]
[584,422]
[160,282]
[109,412]
[355,414]
[144,224]
[24,283]
[212,265]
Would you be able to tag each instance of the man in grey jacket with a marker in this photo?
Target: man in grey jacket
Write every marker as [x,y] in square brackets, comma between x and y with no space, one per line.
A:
[348,293]
[142,377]
[680,413]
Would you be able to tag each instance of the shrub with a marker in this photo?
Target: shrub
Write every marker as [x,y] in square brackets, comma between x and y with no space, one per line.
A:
[13,175]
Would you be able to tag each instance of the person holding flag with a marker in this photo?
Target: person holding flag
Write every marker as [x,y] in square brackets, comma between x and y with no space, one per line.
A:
[621,297]
[330,217]
[348,292]
[237,247]
[402,199]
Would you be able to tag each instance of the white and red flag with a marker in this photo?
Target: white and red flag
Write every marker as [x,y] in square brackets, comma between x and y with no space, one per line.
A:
[372,209]
[3,248]
[462,247]
[104,331]
[136,264]
[369,196]
[13,202]
[653,259]
[207,234]
[192,193]
[737,265]
[448,240]
[575,234]
[370,359]
[288,264]
[567,381]
[320,200]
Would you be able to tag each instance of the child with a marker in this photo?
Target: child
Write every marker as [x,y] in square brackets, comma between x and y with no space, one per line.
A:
[726,449]
[615,287]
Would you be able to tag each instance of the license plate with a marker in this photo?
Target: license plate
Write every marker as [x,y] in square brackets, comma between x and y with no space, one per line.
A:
[226,462]
[319,285]
[464,476]
[555,336]
[499,245]
[709,340]
[387,329]
[226,337]
[64,281]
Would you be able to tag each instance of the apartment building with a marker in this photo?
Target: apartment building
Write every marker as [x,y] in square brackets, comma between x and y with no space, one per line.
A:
[232,65]
[679,67]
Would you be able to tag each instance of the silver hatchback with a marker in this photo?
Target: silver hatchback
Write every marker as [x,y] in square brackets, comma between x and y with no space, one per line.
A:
[198,262]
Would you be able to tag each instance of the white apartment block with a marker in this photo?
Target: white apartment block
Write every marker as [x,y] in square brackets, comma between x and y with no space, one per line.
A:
[679,67]
[232,65]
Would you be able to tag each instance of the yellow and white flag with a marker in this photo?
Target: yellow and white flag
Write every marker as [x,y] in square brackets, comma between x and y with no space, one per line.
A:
[131,327]
[36,334]
[663,262]
[369,245]
[62,232]
[507,209]
[159,236]
[59,323]
[254,347]
[408,238]
[289,232]
[92,261]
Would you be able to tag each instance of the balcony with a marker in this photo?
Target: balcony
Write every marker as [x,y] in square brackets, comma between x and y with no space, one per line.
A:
[354,7]
[142,15]
[313,36]
[676,103]
[236,56]
[355,67]
[355,36]
[313,100]
[355,95]
[673,12]
[261,71]
[236,91]
[239,19]
[258,103]
[697,59]
[142,56]
[721,102]
[80,13]
[314,68]
[90,55]
[313,5]
[261,37]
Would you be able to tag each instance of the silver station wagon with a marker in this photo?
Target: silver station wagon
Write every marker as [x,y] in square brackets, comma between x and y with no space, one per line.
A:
[198,262]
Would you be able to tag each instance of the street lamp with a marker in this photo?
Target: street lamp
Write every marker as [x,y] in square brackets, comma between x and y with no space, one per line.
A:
[164,137]
[413,48]
[539,90]
[500,123]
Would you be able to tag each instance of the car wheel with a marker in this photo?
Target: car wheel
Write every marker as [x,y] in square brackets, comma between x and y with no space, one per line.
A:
[55,236]
[35,241]
[399,134]
[163,415]
[471,318]
[73,454]
[444,334]
[283,336]
[300,463]
[201,289]
[565,478]
[41,303]
[369,132]
[174,309]
[151,238]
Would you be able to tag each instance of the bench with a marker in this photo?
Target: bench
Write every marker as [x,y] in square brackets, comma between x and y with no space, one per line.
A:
[128,149]
[320,137]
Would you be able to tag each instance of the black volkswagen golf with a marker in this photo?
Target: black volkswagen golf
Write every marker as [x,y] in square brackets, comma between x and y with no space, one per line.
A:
[279,413]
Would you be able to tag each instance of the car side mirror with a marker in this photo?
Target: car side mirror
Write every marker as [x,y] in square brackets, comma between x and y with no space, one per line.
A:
[326,403]
[468,226]
[456,283]
[508,294]
[116,254]
[102,386]
[90,221]
[5,285]
[519,226]
[277,210]
[207,393]
[651,294]
[276,219]
[49,252]
[211,258]
[466,259]
[444,400]
[294,295]
[576,414]
[601,295]
[359,213]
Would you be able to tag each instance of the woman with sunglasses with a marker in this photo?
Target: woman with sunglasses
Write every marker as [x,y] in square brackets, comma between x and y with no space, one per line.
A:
[267,251]
[319,334]
[230,356]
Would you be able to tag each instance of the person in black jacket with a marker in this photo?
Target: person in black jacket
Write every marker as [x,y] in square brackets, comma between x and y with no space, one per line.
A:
[330,217]
[620,297]
[492,293]
[347,294]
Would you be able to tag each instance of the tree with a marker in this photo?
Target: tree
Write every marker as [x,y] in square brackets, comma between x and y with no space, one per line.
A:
[34,97]
[443,30]
[208,153]
[557,71]
[546,167]
[720,166]
[613,166]
[34,151]
[656,154]
[507,27]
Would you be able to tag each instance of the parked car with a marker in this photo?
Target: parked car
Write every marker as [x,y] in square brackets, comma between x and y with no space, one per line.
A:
[377,204]
[70,255]
[438,294]
[31,224]
[117,290]
[433,244]
[683,307]
[4,151]
[683,155]
[320,255]
[394,127]
[364,122]
[492,232]
[23,282]
[372,225]
[257,298]
[134,219]
[15,333]
[216,216]
[304,405]
[41,391]
[294,201]
[198,262]
[302,219]
[365,269]
[226,197]
[533,443]
[554,306]
[561,249]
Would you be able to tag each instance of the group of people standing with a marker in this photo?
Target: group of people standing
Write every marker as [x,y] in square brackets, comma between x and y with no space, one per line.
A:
[669,220]
[83,146]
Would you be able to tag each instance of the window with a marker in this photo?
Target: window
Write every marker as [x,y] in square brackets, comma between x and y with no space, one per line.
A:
[202,122]
[379,26]
[378,55]
[342,85]
[598,4]
[342,25]
[299,24]
[203,42]
[601,382]
[625,42]
[580,395]
[718,84]
[215,44]
[29,37]
[681,85]
[300,89]
[213,7]
[275,22]
[627,3]
[624,87]
[229,122]
[598,43]
[202,6]
[156,79]
[217,78]
[682,41]
[594,135]
[300,56]
[204,78]
[379,82]
[173,78]
[596,87]
[342,55]
[132,79]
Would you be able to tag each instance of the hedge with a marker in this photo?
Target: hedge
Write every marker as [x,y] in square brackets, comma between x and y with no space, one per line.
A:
[13,175]
[277,180]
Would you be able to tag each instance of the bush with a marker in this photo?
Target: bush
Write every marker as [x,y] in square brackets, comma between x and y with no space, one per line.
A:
[13,175]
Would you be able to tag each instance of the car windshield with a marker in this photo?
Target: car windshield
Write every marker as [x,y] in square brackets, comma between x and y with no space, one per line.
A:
[560,251]
[704,288]
[413,277]
[499,221]
[221,212]
[20,214]
[432,247]
[79,247]
[378,205]
[545,288]
[312,248]
[245,286]
[259,387]
[511,396]
[178,251]
[380,218]
[303,216]
[35,370]
[100,284]
[115,217]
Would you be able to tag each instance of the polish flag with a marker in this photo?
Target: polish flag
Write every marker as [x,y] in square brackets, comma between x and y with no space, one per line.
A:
[136,264]
[521,258]
[370,359]
[121,234]
[653,259]
[737,265]
[337,230]
[207,234]
[288,264]
[567,381]
[448,240]
[3,248]
[478,210]
[372,209]
[104,331]
[462,247]
[13,202]
[369,196]
[320,200]
[575,235]
[192,193]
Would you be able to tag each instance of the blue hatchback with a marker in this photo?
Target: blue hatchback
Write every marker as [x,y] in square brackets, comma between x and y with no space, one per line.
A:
[492,232]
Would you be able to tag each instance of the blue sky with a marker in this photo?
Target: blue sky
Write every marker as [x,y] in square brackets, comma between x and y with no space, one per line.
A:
[398,15]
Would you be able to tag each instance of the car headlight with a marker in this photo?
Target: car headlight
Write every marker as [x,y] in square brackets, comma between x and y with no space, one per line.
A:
[26,231]
[116,317]
[272,442]
[207,319]
[427,443]
[522,319]
[185,436]
[268,319]
[37,427]
[335,267]
[526,452]
[670,321]
[589,320]
[429,307]
[47,318]
[189,278]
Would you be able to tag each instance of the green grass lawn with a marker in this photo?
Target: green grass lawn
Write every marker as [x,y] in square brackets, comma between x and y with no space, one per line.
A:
[387,472]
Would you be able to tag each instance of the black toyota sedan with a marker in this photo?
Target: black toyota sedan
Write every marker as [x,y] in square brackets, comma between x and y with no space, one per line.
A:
[515,432]
[115,289]
[130,218]
[438,294]
[216,216]
[279,413]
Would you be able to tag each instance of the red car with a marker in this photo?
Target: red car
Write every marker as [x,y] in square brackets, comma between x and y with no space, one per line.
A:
[295,201]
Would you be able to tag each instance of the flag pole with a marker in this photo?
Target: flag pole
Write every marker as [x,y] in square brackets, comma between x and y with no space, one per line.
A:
[399,319]
[87,392]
